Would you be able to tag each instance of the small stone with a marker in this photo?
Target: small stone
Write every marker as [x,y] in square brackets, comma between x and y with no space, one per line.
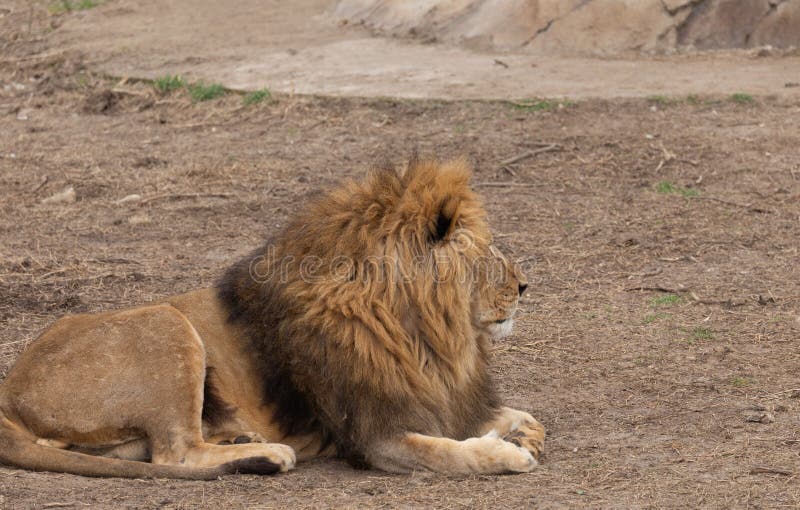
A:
[137,276]
[62,197]
[760,418]
[100,102]
[765,51]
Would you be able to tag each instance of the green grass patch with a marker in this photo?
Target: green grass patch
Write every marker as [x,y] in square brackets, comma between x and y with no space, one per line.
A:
[535,105]
[72,5]
[740,382]
[82,80]
[204,92]
[168,83]
[659,99]
[259,96]
[693,99]
[697,334]
[701,334]
[667,187]
[742,98]
[653,317]
[669,299]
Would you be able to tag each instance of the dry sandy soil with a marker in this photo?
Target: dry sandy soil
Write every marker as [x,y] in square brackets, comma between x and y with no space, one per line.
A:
[658,342]
[297,47]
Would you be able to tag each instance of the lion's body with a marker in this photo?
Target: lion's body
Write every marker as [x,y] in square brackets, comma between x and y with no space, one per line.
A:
[381,362]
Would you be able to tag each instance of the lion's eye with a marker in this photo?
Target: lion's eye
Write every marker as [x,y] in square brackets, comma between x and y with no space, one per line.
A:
[522,287]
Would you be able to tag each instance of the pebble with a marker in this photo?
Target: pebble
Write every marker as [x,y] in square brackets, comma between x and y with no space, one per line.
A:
[24,114]
[761,418]
[67,196]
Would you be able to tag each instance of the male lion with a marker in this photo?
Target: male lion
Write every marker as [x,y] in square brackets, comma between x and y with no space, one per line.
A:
[362,330]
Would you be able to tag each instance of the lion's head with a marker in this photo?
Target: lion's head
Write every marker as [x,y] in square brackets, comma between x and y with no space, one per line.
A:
[501,282]
[368,313]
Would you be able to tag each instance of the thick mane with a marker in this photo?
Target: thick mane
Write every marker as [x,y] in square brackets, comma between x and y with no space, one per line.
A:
[362,311]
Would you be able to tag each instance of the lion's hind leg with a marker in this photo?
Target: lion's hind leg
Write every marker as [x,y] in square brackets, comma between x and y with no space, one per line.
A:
[175,433]
[135,375]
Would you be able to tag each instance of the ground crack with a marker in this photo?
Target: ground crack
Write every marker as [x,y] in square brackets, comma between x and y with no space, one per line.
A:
[697,7]
[773,6]
[674,12]
[547,25]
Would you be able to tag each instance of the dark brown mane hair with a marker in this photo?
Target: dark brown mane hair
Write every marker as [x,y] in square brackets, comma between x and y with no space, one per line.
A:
[362,311]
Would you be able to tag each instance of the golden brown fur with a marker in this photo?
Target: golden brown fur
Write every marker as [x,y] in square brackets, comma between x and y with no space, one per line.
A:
[373,344]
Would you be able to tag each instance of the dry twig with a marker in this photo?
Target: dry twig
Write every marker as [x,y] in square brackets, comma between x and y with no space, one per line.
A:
[647,274]
[765,469]
[41,184]
[180,196]
[530,153]
[504,184]
[749,207]
[655,288]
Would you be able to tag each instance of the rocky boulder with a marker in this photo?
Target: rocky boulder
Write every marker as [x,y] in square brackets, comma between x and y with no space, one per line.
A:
[583,27]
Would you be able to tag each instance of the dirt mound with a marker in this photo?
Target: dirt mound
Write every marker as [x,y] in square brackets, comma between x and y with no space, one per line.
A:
[584,27]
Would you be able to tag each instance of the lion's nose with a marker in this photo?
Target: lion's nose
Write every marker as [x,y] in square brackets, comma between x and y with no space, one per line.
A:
[522,287]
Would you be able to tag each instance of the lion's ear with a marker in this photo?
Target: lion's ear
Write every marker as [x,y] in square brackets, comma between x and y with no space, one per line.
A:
[442,224]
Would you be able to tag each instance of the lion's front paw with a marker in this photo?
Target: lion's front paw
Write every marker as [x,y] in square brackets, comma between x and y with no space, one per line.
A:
[282,455]
[530,436]
[490,454]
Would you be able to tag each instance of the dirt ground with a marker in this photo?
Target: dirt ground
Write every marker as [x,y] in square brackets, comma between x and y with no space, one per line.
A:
[301,47]
[658,342]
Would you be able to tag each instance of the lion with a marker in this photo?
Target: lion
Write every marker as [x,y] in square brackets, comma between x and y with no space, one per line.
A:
[361,331]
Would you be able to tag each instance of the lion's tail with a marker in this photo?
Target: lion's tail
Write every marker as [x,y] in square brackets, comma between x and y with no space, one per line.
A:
[17,449]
